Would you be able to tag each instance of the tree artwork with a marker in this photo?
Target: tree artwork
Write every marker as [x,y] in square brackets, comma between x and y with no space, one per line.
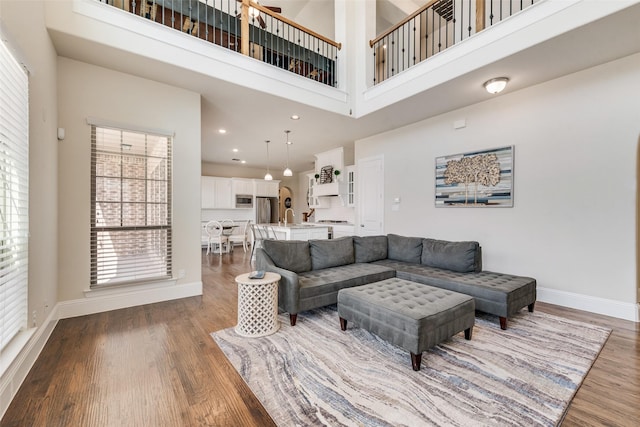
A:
[483,169]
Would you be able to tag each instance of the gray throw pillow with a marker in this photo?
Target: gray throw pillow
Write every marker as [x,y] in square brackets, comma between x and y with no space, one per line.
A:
[463,257]
[292,255]
[331,253]
[407,249]
[370,248]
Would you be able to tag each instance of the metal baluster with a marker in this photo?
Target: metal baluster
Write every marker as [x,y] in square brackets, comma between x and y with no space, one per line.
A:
[470,20]
[490,12]
[393,54]
[413,38]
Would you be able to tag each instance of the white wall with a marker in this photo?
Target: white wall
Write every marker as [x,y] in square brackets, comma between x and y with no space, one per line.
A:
[89,91]
[574,215]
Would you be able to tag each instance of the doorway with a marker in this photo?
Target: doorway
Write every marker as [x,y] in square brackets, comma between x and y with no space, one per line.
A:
[370,196]
[286,202]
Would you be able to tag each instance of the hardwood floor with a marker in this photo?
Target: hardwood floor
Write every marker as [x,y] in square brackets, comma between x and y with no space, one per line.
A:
[156,365]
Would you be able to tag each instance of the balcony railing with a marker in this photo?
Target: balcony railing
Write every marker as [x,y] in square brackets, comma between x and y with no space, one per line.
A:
[433,28]
[248,28]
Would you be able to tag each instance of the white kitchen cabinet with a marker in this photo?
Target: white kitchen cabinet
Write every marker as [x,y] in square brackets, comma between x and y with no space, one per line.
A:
[340,230]
[241,186]
[299,232]
[207,192]
[266,188]
[351,186]
[215,192]
[312,200]
[222,196]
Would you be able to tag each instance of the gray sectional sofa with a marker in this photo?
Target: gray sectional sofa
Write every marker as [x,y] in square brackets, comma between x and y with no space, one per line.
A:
[313,272]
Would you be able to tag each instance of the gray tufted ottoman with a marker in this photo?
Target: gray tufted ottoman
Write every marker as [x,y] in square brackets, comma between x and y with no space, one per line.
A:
[410,315]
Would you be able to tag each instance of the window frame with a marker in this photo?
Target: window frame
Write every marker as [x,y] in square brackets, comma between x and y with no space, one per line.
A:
[14,200]
[100,266]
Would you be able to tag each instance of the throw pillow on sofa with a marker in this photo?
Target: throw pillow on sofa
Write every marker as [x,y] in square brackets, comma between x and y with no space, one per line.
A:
[370,248]
[292,255]
[463,257]
[331,253]
[407,249]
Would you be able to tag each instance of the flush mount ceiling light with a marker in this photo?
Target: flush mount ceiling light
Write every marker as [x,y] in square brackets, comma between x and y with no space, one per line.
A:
[268,176]
[287,171]
[496,85]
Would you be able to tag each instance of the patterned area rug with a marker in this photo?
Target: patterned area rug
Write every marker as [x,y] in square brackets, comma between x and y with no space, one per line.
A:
[315,374]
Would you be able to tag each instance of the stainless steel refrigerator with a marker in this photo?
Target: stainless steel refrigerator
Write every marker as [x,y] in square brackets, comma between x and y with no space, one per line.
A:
[266,210]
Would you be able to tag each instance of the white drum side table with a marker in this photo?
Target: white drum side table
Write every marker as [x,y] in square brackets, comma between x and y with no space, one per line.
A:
[257,305]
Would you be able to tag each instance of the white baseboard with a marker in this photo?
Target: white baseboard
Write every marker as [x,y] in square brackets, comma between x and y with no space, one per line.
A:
[621,310]
[126,298]
[16,373]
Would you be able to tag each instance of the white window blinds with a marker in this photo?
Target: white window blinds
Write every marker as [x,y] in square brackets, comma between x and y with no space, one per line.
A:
[130,206]
[14,195]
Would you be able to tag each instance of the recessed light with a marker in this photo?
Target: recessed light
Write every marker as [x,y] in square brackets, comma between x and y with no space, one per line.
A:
[243,161]
[235,150]
[222,131]
[295,117]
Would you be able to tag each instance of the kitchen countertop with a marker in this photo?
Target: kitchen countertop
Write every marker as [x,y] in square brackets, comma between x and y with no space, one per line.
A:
[290,226]
[329,224]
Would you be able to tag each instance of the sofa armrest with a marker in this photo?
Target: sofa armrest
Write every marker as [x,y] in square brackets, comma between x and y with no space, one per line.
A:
[288,289]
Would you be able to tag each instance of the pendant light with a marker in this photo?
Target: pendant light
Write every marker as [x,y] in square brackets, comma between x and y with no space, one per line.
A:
[268,176]
[287,171]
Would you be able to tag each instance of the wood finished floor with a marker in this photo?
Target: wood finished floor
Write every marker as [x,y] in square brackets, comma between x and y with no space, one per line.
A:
[156,365]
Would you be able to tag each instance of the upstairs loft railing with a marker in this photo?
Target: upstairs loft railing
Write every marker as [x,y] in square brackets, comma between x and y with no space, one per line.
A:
[433,28]
[248,28]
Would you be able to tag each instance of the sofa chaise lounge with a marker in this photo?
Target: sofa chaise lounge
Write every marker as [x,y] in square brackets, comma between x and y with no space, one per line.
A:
[313,272]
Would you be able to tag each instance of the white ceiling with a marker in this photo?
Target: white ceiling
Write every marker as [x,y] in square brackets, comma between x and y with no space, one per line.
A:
[226,105]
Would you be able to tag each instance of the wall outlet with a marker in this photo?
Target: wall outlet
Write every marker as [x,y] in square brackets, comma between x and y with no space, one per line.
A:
[34,317]
[181,274]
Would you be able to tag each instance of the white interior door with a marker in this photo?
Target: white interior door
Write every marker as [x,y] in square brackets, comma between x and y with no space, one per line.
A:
[370,196]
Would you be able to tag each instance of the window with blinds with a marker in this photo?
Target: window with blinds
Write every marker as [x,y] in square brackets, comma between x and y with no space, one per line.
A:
[130,206]
[14,195]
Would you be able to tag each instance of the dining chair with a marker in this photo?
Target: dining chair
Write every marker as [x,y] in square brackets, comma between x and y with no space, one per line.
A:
[260,233]
[227,226]
[239,236]
[214,231]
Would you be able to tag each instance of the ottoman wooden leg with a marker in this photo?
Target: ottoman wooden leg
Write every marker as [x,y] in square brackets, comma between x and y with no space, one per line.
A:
[531,306]
[416,360]
[503,323]
[343,324]
[467,333]
[293,318]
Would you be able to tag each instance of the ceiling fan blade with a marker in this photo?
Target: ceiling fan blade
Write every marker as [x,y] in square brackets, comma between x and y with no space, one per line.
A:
[263,24]
[274,9]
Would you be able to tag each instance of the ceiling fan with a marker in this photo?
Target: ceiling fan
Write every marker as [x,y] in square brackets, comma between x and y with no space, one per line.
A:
[256,13]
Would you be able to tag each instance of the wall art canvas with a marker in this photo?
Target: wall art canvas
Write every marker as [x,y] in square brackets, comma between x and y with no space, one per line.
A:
[475,179]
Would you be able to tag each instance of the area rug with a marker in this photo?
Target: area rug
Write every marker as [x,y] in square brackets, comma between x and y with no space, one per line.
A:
[315,374]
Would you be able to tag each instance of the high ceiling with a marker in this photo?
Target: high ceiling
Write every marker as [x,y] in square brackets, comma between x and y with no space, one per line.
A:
[227,105]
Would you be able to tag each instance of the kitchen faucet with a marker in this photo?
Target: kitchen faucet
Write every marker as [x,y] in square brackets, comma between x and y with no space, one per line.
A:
[293,214]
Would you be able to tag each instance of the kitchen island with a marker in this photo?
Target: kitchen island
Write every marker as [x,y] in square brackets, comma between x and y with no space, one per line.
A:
[294,231]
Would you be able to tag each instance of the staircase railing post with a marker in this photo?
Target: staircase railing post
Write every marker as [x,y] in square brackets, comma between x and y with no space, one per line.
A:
[480,15]
[244,28]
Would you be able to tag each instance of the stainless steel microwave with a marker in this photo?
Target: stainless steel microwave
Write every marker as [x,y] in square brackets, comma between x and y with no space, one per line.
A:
[244,201]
